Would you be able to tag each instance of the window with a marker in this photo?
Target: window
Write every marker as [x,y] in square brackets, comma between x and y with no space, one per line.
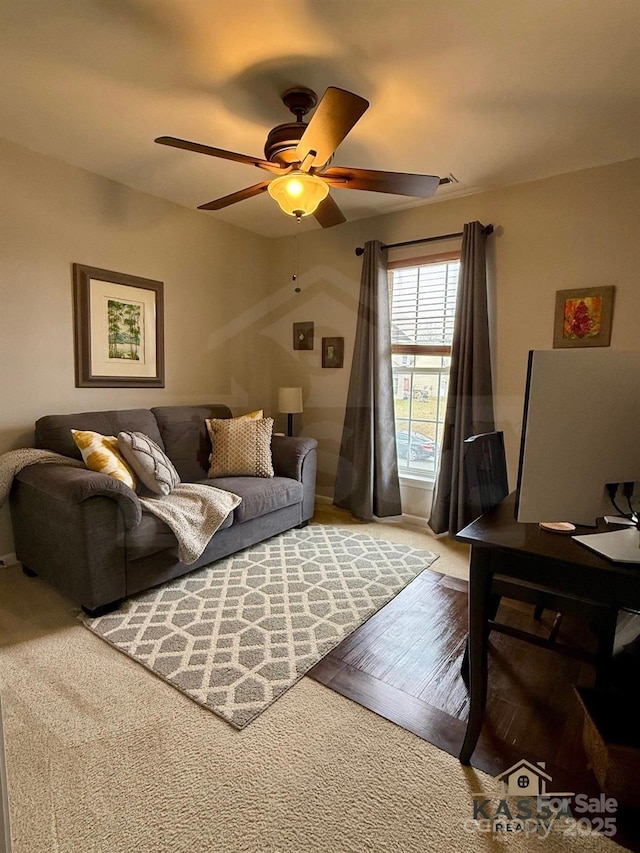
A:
[423,302]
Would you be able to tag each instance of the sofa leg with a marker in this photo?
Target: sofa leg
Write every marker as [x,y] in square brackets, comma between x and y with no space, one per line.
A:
[304,524]
[103,609]
[29,572]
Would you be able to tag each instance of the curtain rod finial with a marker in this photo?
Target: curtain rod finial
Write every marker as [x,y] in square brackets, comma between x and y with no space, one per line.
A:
[359,251]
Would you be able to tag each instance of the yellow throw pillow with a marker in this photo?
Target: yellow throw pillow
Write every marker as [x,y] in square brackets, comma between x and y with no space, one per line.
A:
[241,447]
[100,453]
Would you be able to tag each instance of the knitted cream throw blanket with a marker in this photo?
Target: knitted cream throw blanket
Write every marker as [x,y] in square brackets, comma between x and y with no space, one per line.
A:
[12,462]
[192,511]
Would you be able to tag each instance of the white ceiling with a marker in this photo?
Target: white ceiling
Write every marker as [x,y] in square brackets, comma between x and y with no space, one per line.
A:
[494,92]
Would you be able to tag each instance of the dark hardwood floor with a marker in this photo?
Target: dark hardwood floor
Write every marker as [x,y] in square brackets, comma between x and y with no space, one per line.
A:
[404,664]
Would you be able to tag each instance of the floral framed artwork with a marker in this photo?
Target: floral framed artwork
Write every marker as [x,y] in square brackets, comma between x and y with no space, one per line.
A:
[583,317]
[332,352]
[119,329]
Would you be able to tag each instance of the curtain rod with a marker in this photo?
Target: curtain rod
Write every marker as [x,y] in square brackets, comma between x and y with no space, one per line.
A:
[488,230]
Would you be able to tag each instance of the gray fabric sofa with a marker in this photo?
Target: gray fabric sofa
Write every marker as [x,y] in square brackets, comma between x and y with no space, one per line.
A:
[87,533]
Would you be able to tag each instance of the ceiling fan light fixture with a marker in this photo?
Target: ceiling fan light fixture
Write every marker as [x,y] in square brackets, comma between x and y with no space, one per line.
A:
[298,193]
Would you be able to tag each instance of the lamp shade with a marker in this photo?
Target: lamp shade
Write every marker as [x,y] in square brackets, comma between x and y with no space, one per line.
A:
[290,400]
[298,193]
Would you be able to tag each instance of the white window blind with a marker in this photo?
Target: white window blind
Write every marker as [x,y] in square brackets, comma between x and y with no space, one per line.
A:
[423,303]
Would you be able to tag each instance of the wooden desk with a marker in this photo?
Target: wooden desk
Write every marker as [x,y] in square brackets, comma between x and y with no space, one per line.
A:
[500,544]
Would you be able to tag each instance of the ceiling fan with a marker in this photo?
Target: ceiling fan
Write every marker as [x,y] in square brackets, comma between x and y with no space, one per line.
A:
[298,156]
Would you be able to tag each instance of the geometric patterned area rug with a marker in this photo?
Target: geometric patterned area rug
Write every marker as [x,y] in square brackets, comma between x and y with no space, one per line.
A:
[235,635]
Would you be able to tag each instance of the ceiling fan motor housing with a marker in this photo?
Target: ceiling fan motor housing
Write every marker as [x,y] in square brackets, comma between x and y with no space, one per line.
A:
[282,142]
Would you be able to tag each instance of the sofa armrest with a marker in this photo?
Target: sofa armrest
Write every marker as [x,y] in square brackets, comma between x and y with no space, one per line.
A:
[70,528]
[67,483]
[297,458]
[289,455]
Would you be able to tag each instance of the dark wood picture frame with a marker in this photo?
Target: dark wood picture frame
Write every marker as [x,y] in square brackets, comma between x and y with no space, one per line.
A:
[583,317]
[303,336]
[119,329]
[332,352]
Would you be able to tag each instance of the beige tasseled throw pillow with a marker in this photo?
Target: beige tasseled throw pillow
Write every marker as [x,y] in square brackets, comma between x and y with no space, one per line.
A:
[100,453]
[241,447]
[149,462]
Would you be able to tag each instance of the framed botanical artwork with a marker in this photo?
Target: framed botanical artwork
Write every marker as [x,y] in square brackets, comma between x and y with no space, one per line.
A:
[332,352]
[119,329]
[303,335]
[583,317]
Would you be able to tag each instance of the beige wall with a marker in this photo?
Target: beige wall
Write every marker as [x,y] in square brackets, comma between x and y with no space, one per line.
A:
[576,230]
[53,215]
[230,300]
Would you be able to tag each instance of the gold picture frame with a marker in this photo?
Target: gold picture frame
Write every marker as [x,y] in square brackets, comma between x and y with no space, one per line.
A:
[583,317]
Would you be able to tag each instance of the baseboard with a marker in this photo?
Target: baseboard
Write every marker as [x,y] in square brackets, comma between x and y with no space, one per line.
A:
[8,559]
[415,520]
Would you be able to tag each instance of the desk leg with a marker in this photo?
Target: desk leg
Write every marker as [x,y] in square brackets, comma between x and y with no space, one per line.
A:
[479,597]
[606,638]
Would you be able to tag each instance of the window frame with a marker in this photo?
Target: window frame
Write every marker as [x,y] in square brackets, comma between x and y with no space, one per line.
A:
[414,478]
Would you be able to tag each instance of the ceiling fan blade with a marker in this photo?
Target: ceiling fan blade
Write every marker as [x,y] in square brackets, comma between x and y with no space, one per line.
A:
[225,201]
[398,183]
[329,214]
[217,152]
[335,115]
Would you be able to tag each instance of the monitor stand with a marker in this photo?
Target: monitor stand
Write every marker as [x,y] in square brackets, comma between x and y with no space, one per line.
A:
[621,546]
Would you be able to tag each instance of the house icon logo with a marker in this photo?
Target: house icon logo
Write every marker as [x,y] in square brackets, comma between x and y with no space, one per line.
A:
[525,779]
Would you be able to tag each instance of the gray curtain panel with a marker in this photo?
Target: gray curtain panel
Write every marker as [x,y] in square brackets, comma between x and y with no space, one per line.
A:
[470,399]
[367,477]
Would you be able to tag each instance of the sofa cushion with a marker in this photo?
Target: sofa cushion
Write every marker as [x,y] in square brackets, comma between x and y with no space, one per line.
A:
[53,432]
[259,495]
[152,536]
[100,453]
[241,447]
[184,437]
[149,462]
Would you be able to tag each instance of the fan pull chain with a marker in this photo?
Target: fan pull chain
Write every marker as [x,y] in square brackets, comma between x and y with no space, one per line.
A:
[296,270]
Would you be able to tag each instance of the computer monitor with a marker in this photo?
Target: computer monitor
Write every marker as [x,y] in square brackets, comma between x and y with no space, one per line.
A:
[580,431]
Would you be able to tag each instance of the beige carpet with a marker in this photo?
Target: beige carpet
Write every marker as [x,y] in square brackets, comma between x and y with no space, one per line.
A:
[102,759]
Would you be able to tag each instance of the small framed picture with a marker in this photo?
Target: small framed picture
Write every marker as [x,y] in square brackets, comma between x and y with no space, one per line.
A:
[332,352]
[583,317]
[303,335]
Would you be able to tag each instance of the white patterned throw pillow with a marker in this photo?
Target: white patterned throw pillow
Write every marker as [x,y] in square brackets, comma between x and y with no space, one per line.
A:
[150,462]
[241,447]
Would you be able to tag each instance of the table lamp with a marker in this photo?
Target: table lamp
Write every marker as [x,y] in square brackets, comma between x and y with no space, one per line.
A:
[290,403]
